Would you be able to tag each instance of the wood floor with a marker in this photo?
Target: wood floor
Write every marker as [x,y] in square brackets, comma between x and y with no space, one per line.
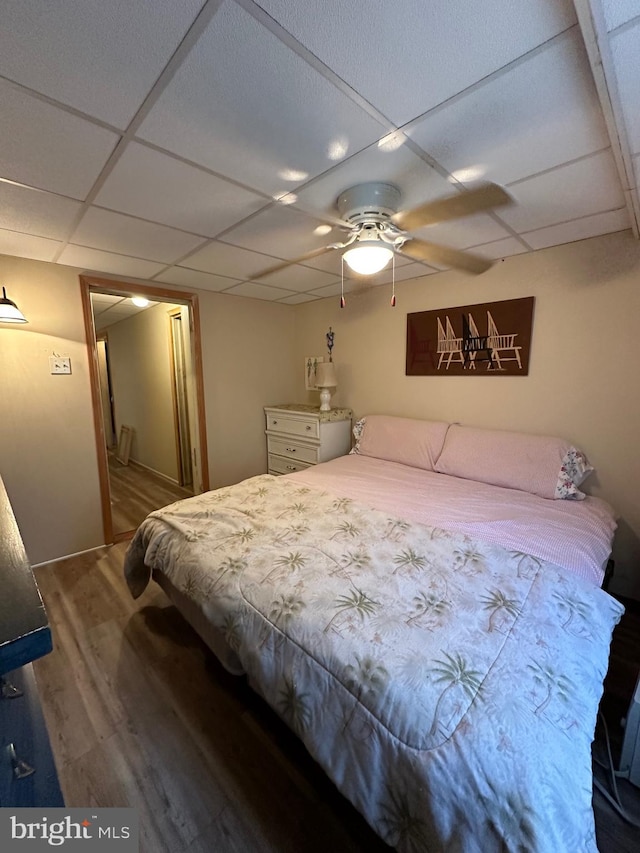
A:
[135,492]
[140,714]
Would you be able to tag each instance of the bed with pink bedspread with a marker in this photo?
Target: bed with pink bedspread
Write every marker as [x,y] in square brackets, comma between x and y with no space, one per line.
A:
[426,614]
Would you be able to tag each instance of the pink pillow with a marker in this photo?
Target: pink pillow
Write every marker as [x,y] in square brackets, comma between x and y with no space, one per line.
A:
[406,440]
[545,466]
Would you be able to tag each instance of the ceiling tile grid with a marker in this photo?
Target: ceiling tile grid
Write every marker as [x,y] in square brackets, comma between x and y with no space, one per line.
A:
[201,143]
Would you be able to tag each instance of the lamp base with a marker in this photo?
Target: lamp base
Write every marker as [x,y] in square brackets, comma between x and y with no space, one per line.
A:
[325,399]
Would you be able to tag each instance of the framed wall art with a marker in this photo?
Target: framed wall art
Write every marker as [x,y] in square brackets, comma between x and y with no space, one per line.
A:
[311,363]
[488,339]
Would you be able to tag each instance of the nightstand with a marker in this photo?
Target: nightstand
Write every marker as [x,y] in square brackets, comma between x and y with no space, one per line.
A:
[299,436]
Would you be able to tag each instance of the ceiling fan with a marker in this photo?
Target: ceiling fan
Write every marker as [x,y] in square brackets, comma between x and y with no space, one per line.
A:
[377,228]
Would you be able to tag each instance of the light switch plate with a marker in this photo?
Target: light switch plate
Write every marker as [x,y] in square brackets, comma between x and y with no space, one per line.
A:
[59,365]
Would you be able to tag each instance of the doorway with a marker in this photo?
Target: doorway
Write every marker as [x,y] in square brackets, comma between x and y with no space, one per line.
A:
[180,372]
[164,420]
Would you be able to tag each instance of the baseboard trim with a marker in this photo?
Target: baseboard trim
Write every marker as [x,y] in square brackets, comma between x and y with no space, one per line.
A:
[153,471]
[68,556]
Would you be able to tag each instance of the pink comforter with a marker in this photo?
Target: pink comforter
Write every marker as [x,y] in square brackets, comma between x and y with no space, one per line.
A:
[576,535]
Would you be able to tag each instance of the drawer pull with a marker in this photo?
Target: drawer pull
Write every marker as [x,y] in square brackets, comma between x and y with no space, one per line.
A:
[290,449]
[20,768]
[291,468]
[274,423]
[8,690]
[308,428]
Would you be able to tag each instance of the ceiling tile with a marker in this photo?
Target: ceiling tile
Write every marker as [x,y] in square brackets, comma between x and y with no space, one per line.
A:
[625,47]
[298,278]
[298,298]
[588,186]
[105,299]
[258,291]
[66,158]
[279,231]
[538,115]
[27,246]
[223,259]
[125,235]
[579,229]
[160,188]
[406,61]
[618,12]
[415,179]
[194,278]
[247,106]
[34,212]
[500,249]
[100,56]
[98,261]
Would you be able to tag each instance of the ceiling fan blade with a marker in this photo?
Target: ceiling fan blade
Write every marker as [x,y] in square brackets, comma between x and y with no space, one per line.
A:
[306,257]
[444,256]
[463,203]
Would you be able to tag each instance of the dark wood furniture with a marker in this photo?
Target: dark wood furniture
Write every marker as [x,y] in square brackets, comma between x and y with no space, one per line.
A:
[27,771]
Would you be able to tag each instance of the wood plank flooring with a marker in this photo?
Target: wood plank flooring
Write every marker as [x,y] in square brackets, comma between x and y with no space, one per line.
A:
[140,714]
[135,492]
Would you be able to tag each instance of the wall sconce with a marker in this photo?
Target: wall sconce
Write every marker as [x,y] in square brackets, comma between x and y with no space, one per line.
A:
[326,380]
[9,311]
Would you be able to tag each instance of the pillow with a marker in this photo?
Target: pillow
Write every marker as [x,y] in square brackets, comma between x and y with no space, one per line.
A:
[406,440]
[545,466]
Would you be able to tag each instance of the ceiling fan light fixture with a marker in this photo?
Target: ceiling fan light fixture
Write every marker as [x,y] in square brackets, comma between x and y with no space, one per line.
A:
[368,258]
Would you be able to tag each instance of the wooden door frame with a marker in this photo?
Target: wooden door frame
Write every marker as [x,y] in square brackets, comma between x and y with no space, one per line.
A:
[171,315]
[89,284]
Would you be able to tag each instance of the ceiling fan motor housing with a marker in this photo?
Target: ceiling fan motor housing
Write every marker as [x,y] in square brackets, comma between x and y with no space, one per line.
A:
[369,201]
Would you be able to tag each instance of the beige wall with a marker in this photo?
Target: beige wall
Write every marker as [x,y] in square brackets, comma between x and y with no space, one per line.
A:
[582,383]
[47,441]
[248,355]
[140,363]
[47,446]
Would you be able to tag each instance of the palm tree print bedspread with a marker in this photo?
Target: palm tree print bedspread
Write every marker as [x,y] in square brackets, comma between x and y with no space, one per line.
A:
[448,687]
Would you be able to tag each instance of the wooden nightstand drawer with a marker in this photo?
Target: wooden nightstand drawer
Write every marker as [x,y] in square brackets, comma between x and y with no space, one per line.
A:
[292,450]
[293,426]
[280,465]
[299,436]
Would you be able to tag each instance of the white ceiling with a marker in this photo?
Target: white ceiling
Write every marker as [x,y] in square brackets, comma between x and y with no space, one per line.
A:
[109,308]
[196,143]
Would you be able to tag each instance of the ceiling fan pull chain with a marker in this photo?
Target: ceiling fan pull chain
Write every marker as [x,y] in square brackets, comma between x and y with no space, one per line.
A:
[342,299]
[393,279]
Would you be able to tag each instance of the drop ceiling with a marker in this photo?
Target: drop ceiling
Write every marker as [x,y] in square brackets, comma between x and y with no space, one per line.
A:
[109,309]
[199,143]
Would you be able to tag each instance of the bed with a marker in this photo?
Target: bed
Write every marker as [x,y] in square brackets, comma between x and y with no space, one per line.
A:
[425,613]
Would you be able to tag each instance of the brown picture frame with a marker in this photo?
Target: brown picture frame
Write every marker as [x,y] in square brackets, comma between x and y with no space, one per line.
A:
[486,339]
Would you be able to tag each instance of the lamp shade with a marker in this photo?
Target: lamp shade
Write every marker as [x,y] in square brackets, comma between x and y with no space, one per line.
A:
[368,257]
[326,375]
[9,311]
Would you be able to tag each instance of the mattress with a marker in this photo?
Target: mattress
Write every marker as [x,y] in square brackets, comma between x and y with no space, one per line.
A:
[447,684]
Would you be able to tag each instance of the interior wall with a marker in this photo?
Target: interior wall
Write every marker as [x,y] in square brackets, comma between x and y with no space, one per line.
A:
[140,361]
[248,351]
[582,383]
[47,446]
[48,457]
